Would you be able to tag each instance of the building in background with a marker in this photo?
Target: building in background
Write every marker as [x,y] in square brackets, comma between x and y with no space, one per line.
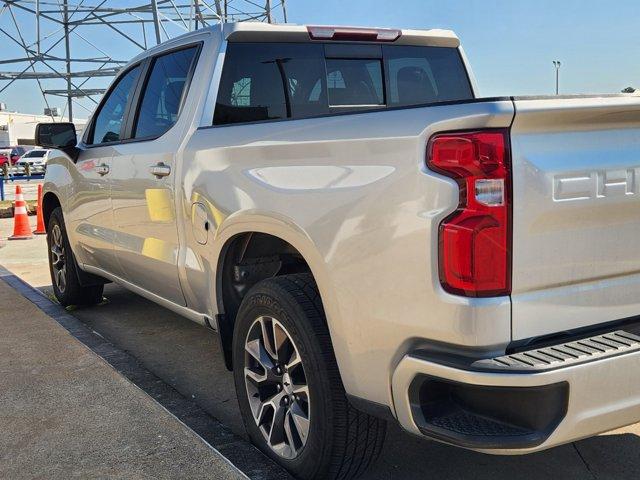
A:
[19,128]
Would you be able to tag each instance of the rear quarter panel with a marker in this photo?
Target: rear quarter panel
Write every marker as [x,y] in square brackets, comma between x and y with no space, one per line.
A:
[353,195]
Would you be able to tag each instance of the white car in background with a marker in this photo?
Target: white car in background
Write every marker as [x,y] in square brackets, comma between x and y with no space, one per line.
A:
[36,159]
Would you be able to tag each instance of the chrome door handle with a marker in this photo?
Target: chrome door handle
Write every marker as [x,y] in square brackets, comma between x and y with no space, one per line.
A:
[160,170]
[102,169]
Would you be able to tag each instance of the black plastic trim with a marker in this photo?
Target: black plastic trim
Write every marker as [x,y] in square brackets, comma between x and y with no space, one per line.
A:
[375,409]
[487,417]
[225,336]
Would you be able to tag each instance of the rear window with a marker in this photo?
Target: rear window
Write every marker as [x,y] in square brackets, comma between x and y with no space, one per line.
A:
[275,81]
[354,82]
[419,75]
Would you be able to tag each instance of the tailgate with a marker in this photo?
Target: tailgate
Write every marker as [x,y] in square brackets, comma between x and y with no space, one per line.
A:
[576,213]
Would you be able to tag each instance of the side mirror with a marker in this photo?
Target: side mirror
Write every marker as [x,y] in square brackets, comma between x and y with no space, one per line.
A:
[61,136]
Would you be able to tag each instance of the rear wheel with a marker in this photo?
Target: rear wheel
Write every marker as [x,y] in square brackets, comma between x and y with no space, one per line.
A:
[63,267]
[291,397]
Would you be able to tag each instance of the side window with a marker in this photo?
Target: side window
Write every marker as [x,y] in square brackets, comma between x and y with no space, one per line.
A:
[422,75]
[162,95]
[108,121]
[355,82]
[269,82]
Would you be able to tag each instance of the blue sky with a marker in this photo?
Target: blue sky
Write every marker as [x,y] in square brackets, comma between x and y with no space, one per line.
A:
[510,44]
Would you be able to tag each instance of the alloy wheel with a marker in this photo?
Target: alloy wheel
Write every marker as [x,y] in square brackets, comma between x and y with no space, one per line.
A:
[58,261]
[277,387]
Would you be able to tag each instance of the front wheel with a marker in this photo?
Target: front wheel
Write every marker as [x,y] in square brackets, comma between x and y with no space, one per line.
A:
[62,265]
[289,389]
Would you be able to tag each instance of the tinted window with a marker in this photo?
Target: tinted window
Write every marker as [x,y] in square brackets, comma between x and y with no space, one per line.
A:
[108,121]
[271,81]
[354,82]
[163,93]
[420,75]
[283,80]
[304,72]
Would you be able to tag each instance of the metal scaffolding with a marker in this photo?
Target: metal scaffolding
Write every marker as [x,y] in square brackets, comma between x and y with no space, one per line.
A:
[77,43]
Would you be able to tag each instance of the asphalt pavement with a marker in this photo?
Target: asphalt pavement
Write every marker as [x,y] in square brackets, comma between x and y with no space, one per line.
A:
[186,357]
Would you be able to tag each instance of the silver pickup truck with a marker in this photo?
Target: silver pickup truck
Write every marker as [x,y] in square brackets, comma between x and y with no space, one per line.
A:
[371,240]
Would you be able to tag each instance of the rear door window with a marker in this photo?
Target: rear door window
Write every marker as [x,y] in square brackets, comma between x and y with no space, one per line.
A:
[163,93]
[270,82]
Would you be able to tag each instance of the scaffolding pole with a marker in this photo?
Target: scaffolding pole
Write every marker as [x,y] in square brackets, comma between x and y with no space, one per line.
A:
[67,49]
[50,33]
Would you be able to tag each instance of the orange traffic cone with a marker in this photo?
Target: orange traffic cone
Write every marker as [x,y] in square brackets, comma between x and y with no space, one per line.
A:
[21,228]
[40,230]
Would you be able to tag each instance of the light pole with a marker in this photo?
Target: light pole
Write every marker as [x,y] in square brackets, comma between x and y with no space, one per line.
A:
[557,64]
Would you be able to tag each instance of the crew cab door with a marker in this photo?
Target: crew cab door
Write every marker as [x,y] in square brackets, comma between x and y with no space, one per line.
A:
[143,172]
[89,216]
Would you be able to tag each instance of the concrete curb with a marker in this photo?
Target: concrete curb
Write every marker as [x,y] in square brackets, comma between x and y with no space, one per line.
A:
[239,452]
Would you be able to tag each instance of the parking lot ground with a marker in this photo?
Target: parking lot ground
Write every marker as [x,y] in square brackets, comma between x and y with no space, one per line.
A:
[25,258]
[186,357]
[65,412]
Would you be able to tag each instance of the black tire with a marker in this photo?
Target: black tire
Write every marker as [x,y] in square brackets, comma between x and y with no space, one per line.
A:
[346,441]
[63,267]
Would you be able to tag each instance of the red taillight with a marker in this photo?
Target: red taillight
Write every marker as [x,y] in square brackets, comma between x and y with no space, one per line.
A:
[475,240]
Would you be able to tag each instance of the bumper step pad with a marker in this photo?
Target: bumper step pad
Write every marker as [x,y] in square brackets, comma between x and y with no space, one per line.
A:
[564,354]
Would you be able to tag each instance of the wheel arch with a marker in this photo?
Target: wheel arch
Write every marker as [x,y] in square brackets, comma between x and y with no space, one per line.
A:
[50,202]
[263,238]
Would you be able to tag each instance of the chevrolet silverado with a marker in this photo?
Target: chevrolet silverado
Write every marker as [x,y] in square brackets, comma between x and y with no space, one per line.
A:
[372,241]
